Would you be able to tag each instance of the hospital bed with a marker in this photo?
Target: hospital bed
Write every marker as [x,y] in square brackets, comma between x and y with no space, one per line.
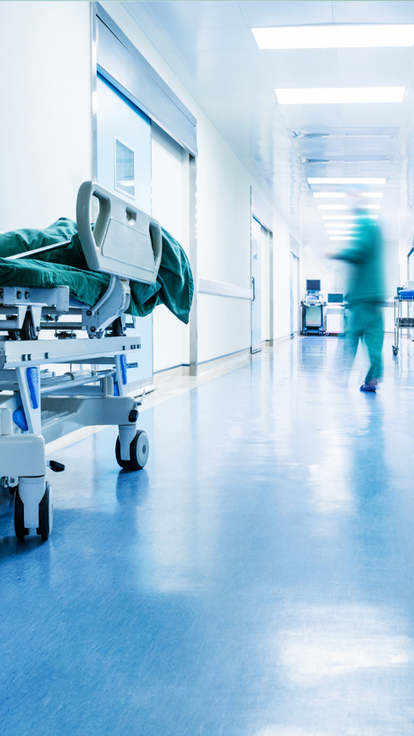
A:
[38,406]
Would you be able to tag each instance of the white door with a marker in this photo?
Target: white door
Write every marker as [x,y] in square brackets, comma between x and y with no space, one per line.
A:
[170,206]
[294,293]
[256,309]
[124,167]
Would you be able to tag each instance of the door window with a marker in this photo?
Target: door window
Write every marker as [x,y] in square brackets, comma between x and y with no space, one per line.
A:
[124,169]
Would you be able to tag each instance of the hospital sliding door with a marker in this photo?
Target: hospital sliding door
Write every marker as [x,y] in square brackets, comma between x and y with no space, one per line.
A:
[170,206]
[124,167]
[294,294]
[256,310]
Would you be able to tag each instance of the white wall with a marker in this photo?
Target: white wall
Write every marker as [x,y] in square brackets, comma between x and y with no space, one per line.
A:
[45,121]
[315,265]
[45,153]
[333,274]
[281,284]
[223,224]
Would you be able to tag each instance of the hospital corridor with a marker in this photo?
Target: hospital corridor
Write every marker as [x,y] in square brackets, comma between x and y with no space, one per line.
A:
[207,368]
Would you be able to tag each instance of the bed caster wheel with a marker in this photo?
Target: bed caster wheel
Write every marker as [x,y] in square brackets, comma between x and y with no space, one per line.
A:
[46,513]
[28,331]
[394,350]
[18,513]
[138,452]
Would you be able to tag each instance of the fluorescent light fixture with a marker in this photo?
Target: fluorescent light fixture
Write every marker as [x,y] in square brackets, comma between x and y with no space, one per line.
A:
[340,232]
[345,180]
[348,195]
[334,36]
[349,217]
[348,206]
[342,237]
[340,226]
[339,95]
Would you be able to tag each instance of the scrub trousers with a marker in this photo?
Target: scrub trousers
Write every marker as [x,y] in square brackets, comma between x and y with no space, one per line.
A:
[366,323]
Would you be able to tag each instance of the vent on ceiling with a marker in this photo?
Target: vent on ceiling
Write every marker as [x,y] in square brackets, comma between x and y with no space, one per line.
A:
[347,160]
[347,133]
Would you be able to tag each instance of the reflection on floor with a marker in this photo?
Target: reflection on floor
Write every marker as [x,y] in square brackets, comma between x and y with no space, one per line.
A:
[255,579]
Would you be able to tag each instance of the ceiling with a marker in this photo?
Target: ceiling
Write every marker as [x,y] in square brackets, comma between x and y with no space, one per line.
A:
[210,46]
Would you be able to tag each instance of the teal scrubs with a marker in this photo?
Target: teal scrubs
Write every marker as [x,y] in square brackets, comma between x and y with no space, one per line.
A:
[365,295]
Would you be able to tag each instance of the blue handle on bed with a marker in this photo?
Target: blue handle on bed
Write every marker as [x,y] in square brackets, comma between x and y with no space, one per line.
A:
[125,241]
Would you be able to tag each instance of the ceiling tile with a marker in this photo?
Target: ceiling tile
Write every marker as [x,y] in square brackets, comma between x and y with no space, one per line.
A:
[371,115]
[314,59]
[212,39]
[370,11]
[200,14]
[374,77]
[304,77]
[260,13]
[394,59]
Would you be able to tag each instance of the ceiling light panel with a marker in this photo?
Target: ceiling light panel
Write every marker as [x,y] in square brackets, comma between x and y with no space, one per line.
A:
[348,206]
[334,36]
[339,95]
[345,180]
[346,133]
[342,237]
[337,225]
[349,217]
[346,195]
[350,160]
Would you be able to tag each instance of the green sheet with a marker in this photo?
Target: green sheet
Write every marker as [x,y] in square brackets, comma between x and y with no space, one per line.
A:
[67,267]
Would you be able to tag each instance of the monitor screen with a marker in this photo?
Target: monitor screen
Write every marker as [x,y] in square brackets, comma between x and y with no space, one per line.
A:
[336,298]
[313,285]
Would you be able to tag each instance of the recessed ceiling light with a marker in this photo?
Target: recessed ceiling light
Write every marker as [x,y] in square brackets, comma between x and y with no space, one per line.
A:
[345,180]
[340,232]
[334,36]
[339,95]
[349,161]
[348,195]
[348,206]
[346,133]
[342,237]
[349,217]
[346,225]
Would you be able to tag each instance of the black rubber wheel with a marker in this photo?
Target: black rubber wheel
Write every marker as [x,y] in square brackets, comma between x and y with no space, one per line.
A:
[45,514]
[139,448]
[138,452]
[14,334]
[18,509]
[28,331]
[395,350]
[123,463]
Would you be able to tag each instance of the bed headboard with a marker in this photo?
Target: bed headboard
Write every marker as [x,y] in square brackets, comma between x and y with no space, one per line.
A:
[125,241]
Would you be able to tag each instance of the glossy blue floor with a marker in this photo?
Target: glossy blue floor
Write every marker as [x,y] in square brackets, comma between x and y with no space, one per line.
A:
[255,579]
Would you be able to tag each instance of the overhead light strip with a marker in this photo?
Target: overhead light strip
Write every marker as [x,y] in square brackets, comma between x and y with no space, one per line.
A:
[349,217]
[339,95]
[347,225]
[348,206]
[347,195]
[334,36]
[346,180]
[340,231]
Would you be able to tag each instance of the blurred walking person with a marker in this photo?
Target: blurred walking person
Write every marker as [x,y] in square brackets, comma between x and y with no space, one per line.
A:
[365,296]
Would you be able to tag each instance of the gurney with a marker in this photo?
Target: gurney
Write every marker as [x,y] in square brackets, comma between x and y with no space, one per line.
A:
[122,255]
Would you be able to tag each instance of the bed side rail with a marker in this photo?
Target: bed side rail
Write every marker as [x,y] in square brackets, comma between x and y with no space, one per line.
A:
[125,241]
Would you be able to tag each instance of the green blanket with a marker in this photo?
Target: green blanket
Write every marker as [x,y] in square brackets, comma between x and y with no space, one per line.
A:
[67,267]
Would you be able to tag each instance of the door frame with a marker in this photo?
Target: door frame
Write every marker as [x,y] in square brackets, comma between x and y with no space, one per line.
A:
[158,102]
[263,215]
